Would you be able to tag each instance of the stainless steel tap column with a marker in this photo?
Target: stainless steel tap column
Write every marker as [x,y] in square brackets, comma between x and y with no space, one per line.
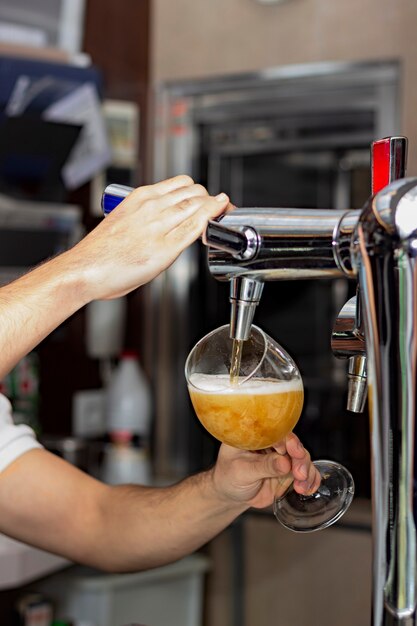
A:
[378,245]
[388,163]
[384,256]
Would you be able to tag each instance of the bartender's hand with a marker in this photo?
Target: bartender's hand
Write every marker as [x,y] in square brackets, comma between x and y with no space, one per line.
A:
[144,234]
[256,479]
[49,503]
[137,241]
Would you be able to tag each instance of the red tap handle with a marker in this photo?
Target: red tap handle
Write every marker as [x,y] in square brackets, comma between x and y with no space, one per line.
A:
[388,161]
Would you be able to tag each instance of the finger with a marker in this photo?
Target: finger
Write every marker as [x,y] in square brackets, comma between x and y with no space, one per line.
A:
[311,484]
[189,230]
[176,201]
[173,201]
[181,213]
[163,187]
[280,447]
[317,480]
[175,207]
[294,446]
[215,206]
[269,465]
[301,467]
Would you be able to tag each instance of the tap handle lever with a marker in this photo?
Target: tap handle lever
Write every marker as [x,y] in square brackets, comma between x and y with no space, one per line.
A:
[112,196]
[388,161]
[242,244]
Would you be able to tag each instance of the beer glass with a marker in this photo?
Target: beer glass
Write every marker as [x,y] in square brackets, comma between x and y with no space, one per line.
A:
[256,407]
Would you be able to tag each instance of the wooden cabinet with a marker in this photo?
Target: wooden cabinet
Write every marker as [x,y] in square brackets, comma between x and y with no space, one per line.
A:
[263,574]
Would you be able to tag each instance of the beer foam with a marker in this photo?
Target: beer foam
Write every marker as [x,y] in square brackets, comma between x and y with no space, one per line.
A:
[220,383]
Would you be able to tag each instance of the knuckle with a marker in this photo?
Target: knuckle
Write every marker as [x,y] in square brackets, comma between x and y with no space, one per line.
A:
[279,464]
[271,465]
[183,179]
[140,193]
[148,204]
[307,457]
[186,204]
[200,190]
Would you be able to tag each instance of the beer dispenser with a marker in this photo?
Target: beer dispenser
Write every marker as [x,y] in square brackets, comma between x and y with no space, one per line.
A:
[376,331]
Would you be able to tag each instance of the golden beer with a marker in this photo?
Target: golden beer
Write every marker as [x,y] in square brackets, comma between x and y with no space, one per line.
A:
[251,416]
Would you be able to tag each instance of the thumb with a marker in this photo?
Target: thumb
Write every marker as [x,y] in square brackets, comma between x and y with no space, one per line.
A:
[270,465]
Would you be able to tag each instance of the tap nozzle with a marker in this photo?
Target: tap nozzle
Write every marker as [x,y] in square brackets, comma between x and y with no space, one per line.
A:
[357,384]
[348,342]
[245,294]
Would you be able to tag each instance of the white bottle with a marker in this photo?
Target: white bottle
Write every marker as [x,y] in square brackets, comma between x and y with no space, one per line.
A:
[129,398]
[124,463]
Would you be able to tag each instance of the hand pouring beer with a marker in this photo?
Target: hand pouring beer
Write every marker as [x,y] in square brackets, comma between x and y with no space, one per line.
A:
[249,394]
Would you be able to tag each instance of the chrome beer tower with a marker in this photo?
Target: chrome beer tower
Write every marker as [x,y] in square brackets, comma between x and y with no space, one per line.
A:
[376,331]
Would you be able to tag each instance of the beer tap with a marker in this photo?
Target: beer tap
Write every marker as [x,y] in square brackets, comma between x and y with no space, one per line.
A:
[388,163]
[245,293]
[378,246]
[291,244]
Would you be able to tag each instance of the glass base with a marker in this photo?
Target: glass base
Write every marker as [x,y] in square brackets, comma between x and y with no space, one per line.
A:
[305,514]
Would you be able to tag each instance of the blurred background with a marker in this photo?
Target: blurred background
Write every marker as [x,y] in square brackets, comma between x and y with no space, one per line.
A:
[276,103]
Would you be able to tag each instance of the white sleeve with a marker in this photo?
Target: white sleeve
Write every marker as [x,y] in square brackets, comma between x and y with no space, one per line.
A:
[14,440]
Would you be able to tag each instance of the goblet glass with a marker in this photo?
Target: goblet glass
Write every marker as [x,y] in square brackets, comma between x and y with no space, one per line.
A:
[258,407]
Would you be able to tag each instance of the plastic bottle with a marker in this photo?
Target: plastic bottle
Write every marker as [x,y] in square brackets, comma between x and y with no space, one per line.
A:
[128,419]
[124,462]
[129,398]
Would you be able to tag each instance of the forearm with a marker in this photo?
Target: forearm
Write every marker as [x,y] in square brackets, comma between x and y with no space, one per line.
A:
[151,527]
[136,242]
[35,304]
[51,504]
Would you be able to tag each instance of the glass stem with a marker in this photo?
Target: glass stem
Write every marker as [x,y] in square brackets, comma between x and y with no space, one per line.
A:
[284,484]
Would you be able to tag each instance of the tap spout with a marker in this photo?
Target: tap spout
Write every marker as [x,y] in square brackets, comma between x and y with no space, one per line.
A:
[357,384]
[245,294]
[348,342]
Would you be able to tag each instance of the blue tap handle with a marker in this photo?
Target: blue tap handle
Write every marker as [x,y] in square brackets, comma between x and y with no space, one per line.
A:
[112,196]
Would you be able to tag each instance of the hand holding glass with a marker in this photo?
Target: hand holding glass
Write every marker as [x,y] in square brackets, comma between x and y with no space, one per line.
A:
[258,408]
